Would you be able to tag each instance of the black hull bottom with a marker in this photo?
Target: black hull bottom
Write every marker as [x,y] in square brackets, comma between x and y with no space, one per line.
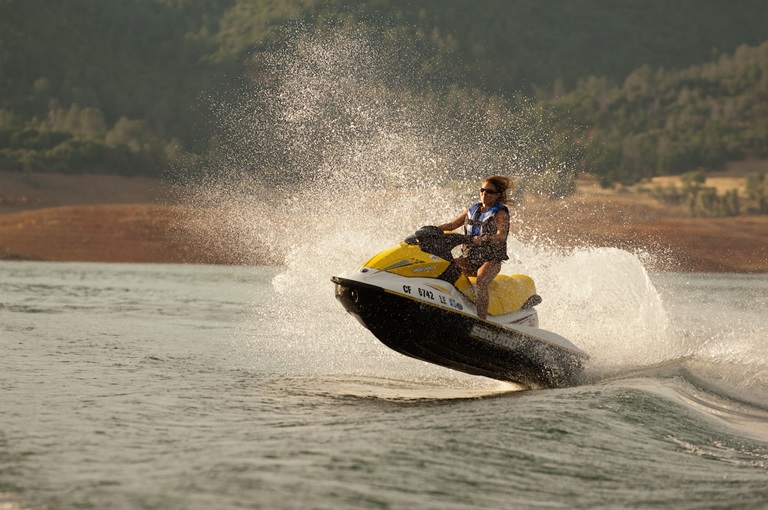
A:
[458,341]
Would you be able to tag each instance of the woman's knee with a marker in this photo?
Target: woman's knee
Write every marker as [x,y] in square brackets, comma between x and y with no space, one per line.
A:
[488,272]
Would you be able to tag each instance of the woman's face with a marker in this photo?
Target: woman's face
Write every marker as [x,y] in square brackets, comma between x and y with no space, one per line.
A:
[487,195]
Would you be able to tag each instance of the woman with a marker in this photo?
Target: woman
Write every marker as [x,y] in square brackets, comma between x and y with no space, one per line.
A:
[487,225]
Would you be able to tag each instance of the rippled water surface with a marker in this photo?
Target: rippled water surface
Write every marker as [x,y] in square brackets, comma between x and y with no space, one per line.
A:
[133,386]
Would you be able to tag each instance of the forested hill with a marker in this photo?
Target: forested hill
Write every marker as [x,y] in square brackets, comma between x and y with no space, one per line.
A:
[116,87]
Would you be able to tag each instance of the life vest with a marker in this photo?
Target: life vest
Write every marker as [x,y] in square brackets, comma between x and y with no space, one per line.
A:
[480,224]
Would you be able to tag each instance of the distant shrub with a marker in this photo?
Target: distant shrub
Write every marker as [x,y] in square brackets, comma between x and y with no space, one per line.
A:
[756,190]
[669,194]
[705,201]
[701,200]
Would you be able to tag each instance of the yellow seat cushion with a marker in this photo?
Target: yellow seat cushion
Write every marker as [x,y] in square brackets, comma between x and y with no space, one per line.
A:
[505,293]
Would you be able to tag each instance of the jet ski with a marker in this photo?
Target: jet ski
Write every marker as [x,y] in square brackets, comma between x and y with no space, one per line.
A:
[416,300]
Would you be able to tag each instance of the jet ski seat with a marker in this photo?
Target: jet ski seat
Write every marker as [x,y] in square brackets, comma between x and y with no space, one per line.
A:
[506,293]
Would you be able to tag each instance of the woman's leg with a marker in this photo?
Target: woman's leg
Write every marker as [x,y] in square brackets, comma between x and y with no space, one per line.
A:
[485,276]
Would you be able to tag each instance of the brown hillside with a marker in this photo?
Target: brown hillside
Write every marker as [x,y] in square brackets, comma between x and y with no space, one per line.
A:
[103,233]
[629,221]
[118,219]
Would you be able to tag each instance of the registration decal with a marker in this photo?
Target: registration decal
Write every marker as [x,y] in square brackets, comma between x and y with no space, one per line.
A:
[431,295]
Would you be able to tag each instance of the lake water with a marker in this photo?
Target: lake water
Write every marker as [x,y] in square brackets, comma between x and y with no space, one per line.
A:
[196,387]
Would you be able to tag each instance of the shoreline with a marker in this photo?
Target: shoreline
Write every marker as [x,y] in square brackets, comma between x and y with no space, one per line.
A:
[151,233]
[51,217]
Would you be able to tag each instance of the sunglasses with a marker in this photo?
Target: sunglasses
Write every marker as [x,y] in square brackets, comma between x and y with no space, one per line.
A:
[489,191]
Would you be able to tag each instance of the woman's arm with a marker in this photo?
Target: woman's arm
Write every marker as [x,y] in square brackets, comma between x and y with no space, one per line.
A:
[503,229]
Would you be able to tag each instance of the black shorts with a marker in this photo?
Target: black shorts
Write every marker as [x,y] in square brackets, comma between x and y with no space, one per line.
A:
[476,256]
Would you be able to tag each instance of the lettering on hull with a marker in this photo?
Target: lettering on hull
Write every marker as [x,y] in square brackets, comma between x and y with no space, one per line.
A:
[496,337]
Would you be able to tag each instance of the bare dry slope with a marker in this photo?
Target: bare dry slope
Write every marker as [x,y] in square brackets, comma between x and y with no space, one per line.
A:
[118,219]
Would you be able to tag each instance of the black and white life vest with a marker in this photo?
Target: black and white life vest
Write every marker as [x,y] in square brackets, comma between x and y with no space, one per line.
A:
[483,224]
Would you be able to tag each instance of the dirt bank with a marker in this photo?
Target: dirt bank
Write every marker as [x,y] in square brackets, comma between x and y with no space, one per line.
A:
[675,240]
[118,219]
[105,233]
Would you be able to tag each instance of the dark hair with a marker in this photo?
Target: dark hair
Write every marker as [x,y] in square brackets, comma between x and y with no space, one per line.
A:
[502,184]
